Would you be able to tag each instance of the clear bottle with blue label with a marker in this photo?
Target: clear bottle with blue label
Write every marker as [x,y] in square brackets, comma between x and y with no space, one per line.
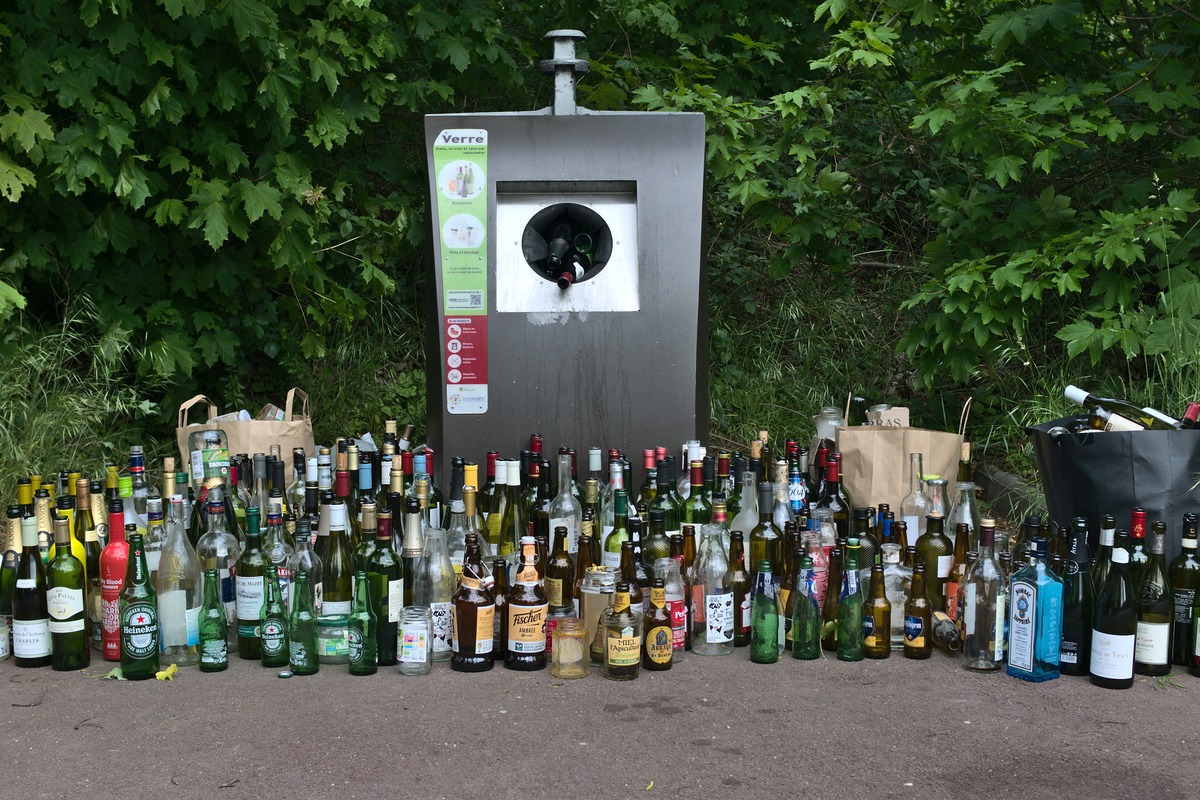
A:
[1035,618]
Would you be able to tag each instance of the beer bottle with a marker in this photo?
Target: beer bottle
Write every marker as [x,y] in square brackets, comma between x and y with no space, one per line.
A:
[829,605]
[850,607]
[560,588]
[658,641]
[918,617]
[387,590]
[139,616]
[739,582]
[806,614]
[622,638]
[302,628]
[250,570]
[526,614]
[360,629]
[637,599]
[337,589]
[64,601]
[214,625]
[274,622]
[30,616]
[764,616]
[877,620]
[474,613]
[500,593]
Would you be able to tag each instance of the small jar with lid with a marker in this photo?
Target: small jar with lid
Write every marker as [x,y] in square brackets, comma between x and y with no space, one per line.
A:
[570,657]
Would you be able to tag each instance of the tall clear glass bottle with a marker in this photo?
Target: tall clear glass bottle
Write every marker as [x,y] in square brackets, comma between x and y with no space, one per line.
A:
[747,515]
[565,510]
[712,626]
[435,585]
[916,505]
[964,508]
[897,584]
[179,591]
[984,604]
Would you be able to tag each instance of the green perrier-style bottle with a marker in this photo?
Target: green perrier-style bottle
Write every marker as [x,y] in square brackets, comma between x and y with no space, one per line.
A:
[302,628]
[214,626]
[139,616]
[360,629]
[274,622]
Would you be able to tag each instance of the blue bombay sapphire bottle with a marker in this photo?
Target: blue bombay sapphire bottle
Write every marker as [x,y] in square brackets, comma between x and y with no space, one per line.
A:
[1035,618]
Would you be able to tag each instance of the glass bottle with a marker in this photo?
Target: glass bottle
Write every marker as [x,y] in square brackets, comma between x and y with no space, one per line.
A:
[66,582]
[559,580]
[958,569]
[965,509]
[713,609]
[657,641]
[474,614]
[337,590]
[676,591]
[916,506]
[1138,559]
[277,545]
[781,508]
[179,595]
[525,611]
[1184,577]
[30,615]
[936,552]
[141,490]
[697,509]
[361,635]
[273,621]
[514,523]
[897,584]
[829,604]
[1114,626]
[877,618]
[250,573]
[983,602]
[386,579]
[565,510]
[218,548]
[139,616]
[850,607]
[656,544]
[936,489]
[435,585]
[619,532]
[304,559]
[500,593]
[302,626]
[1155,611]
[1035,618]
[1100,565]
[664,500]
[114,562]
[765,537]
[155,535]
[918,618]
[747,515]
[213,625]
[1076,644]
[806,614]
[764,617]
[742,588]
[498,504]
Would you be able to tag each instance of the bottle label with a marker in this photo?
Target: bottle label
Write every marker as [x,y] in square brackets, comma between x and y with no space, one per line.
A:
[526,628]
[1112,655]
[952,600]
[968,610]
[944,565]
[1068,651]
[484,624]
[747,611]
[611,560]
[336,608]
[172,617]
[274,636]
[1184,598]
[719,618]
[1153,643]
[354,644]
[660,644]
[442,625]
[298,655]
[249,598]
[414,644]
[820,582]
[914,630]
[192,625]
[1000,629]
[395,600]
[624,648]
[678,611]
[1022,626]
[868,630]
[64,603]
[554,592]
[110,623]
[214,651]
[139,630]
[31,638]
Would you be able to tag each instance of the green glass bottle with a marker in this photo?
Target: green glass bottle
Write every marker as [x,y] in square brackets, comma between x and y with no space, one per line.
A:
[766,538]
[302,628]
[139,616]
[1184,575]
[936,552]
[764,617]
[850,607]
[250,574]
[360,629]
[620,532]
[214,626]
[385,574]
[66,582]
[697,508]
[274,622]
[806,614]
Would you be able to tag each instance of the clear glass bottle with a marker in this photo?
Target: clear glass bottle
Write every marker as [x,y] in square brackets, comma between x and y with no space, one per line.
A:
[984,604]
[435,585]
[277,545]
[1035,618]
[305,559]
[965,509]
[179,594]
[712,621]
[155,536]
[897,584]
[218,549]
[916,505]
[935,488]
[565,510]
[747,515]
[676,596]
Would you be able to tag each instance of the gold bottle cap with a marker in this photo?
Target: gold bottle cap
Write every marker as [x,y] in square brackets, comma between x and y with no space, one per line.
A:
[62,532]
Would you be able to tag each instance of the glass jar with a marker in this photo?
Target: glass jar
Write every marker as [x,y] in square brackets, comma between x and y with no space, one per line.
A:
[596,595]
[415,640]
[569,657]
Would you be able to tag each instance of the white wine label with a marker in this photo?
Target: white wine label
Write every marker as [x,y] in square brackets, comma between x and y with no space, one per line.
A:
[1112,655]
[719,618]
[192,619]
[172,617]
[968,611]
[395,600]
[1153,643]
[1022,626]
[913,522]
[64,603]
[26,583]
[611,560]
[336,608]
[944,565]
[153,557]
[249,597]
[31,638]
[442,624]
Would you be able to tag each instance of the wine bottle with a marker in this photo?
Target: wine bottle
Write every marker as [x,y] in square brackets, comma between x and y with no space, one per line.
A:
[936,552]
[1114,625]
[1100,565]
[1148,418]
[1184,575]
[249,576]
[1078,600]
[984,603]
[1155,611]
[30,615]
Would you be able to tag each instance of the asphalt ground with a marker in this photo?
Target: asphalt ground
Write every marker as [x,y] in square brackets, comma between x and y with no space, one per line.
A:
[712,727]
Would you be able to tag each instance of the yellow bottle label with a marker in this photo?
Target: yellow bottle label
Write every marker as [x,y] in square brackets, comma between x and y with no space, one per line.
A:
[624,648]
[620,602]
[554,591]
[658,597]
[526,628]
[658,644]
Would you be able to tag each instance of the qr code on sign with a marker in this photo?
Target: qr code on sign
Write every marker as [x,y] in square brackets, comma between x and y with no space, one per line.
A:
[464,300]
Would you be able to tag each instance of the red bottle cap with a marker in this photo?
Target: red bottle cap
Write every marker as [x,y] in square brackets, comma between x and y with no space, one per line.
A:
[647,459]
[1137,523]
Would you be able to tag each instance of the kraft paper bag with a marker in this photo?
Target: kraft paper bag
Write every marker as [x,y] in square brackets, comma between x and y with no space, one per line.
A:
[252,436]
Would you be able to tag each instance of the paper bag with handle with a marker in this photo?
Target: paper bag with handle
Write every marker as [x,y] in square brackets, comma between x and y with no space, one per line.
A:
[875,459]
[255,435]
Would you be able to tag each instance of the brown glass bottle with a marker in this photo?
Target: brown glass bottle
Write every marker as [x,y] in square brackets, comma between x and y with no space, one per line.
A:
[918,618]
[829,605]
[526,614]
[560,583]
[582,562]
[622,637]
[637,598]
[500,593]
[656,626]
[877,639]
[739,582]
[474,614]
[958,570]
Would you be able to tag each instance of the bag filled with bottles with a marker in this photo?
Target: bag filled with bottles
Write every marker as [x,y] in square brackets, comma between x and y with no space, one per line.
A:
[288,429]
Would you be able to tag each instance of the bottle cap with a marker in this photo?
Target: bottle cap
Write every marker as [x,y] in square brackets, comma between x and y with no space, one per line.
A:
[862,513]
[337,515]
[1075,394]
[1039,546]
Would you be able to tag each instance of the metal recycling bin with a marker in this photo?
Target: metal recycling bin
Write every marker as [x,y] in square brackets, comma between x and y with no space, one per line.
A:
[567,290]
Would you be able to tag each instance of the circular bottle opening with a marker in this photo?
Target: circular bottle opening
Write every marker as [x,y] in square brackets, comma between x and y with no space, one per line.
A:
[566,243]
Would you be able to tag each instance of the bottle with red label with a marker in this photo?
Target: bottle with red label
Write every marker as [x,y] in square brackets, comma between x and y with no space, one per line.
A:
[958,570]
[114,560]
[1138,558]
[739,581]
